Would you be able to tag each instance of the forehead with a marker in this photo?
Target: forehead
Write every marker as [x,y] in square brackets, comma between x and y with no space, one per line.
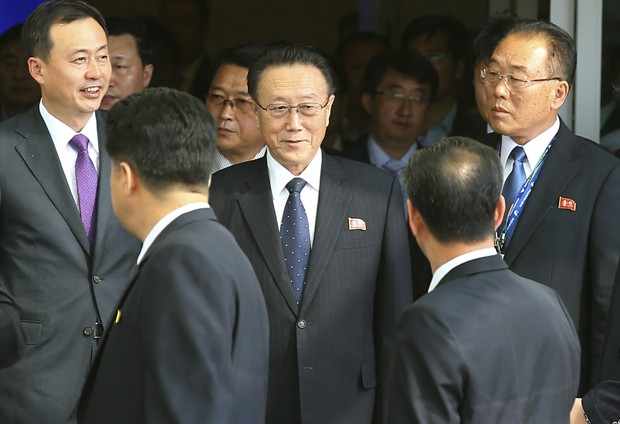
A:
[230,77]
[123,43]
[393,79]
[521,52]
[292,81]
[77,35]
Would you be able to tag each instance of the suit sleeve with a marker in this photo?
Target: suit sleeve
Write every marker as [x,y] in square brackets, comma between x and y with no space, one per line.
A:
[602,403]
[429,372]
[604,252]
[394,292]
[187,335]
[11,334]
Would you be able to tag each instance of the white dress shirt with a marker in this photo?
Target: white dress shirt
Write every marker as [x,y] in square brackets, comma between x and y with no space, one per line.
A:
[444,269]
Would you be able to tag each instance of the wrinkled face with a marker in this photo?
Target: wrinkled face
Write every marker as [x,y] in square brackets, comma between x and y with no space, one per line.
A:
[18,91]
[128,74]
[523,113]
[293,139]
[237,129]
[76,74]
[436,50]
[398,113]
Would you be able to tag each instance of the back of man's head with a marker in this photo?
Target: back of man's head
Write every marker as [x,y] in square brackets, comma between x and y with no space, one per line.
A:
[455,184]
[166,135]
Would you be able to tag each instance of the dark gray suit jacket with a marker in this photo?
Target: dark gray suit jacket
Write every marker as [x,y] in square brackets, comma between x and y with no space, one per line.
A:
[11,333]
[191,341]
[574,252]
[486,346]
[330,357]
[59,287]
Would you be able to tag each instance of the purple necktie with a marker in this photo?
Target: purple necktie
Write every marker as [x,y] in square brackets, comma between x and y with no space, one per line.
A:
[86,176]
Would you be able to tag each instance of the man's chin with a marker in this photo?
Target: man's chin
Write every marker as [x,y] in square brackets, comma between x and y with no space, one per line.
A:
[107,103]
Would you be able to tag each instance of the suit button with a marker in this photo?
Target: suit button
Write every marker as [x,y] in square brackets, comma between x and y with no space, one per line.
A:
[88,331]
[97,279]
[301,324]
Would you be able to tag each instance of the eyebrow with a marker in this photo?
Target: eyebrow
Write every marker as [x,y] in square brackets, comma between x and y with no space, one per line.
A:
[512,67]
[400,86]
[236,93]
[103,47]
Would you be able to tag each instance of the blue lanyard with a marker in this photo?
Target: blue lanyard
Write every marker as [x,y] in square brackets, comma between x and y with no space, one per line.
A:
[514,213]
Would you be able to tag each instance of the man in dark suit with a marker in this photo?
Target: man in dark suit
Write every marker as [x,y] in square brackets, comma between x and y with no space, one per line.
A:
[190,342]
[64,280]
[485,345]
[334,294]
[565,189]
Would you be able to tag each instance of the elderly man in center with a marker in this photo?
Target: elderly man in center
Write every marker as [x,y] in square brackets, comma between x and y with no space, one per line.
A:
[327,239]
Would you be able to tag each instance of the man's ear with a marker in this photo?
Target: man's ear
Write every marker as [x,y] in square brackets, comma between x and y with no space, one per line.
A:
[36,69]
[367,102]
[500,210]
[147,74]
[129,178]
[416,222]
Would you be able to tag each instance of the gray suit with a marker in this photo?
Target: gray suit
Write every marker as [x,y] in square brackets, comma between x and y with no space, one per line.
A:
[486,346]
[331,356]
[45,265]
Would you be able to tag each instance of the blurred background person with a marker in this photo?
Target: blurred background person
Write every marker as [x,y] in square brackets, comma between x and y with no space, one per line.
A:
[131,57]
[445,41]
[232,108]
[18,90]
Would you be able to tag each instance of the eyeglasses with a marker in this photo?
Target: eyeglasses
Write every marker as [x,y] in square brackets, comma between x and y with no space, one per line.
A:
[278,110]
[395,96]
[242,105]
[436,57]
[492,78]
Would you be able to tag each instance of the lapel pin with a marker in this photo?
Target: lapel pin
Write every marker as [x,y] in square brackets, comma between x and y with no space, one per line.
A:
[568,204]
[357,224]
[118,317]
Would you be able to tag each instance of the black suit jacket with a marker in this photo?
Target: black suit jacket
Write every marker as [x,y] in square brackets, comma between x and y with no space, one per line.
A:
[574,252]
[190,344]
[602,403]
[330,357]
[11,333]
[486,346]
[58,285]
[420,267]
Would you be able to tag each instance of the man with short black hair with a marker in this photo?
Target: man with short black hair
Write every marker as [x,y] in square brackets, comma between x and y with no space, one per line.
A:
[484,345]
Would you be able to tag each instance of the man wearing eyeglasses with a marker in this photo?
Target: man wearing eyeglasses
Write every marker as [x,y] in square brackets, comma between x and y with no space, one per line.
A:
[562,191]
[326,237]
[232,108]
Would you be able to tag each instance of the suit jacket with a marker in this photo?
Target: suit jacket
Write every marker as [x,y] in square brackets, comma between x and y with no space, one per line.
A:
[602,403]
[420,267]
[190,344]
[58,285]
[330,357]
[11,333]
[576,251]
[486,346]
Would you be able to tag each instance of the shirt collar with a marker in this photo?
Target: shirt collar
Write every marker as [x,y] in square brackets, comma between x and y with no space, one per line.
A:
[534,148]
[442,129]
[62,134]
[378,157]
[279,176]
[445,268]
[164,222]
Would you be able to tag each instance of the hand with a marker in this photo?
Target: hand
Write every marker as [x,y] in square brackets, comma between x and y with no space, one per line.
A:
[576,414]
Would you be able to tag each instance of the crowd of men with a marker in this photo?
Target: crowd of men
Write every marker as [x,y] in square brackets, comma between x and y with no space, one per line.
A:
[168,257]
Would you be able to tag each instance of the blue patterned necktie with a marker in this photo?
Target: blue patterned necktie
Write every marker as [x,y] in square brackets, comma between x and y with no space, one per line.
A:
[295,237]
[515,180]
[86,176]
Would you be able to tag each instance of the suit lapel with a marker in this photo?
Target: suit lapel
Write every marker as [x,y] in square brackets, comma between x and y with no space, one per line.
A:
[257,208]
[104,201]
[331,215]
[40,156]
[555,174]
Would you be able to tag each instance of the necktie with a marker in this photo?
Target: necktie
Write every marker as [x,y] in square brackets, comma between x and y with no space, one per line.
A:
[86,176]
[295,237]
[516,179]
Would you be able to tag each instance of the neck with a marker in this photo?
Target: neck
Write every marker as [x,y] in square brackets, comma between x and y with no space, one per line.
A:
[395,149]
[438,110]
[237,156]
[439,253]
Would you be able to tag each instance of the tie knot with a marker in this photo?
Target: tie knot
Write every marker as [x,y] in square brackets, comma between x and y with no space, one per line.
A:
[79,142]
[518,154]
[296,185]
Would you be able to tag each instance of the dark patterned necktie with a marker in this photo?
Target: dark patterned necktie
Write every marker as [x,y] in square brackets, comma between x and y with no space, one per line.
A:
[295,237]
[516,179]
[86,176]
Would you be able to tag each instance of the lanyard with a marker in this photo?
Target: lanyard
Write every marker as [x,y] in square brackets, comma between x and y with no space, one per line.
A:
[503,236]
